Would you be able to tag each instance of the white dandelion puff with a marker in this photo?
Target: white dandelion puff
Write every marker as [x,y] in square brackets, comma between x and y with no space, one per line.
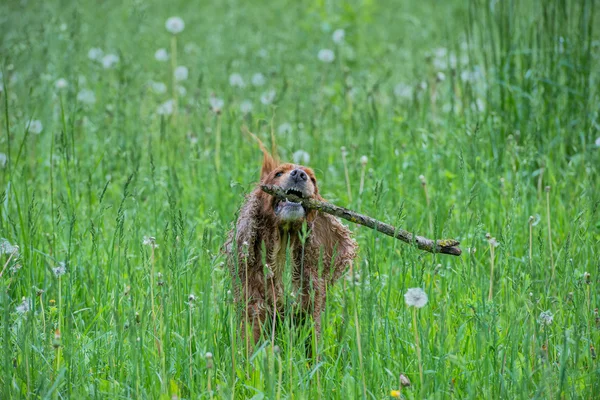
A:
[159,87]
[109,60]
[284,128]
[5,246]
[95,54]
[246,106]
[415,297]
[364,160]
[24,306]
[61,83]
[3,160]
[403,91]
[338,35]
[598,141]
[181,90]
[149,241]
[268,97]
[546,317]
[326,55]
[181,73]
[301,157]
[35,126]
[236,80]
[258,79]
[60,270]
[175,25]
[86,96]
[166,108]
[161,55]
[216,103]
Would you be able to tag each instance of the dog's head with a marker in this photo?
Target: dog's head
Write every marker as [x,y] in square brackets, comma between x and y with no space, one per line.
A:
[293,179]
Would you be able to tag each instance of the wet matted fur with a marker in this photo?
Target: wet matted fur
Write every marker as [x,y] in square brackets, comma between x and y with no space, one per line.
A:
[270,230]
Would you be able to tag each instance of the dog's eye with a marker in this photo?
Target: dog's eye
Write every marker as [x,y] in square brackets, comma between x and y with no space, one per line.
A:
[277,175]
[314,181]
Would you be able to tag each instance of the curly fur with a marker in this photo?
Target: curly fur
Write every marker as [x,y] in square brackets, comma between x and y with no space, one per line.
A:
[259,235]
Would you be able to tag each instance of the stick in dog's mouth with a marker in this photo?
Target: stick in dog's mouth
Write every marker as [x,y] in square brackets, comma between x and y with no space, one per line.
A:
[444,246]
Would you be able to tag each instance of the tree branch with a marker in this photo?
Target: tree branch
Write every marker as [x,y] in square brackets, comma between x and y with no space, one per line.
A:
[444,246]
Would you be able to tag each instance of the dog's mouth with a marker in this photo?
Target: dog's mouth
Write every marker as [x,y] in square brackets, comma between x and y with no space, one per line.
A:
[288,210]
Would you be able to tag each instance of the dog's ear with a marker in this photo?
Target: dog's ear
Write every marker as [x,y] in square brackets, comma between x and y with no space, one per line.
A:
[268,165]
[269,162]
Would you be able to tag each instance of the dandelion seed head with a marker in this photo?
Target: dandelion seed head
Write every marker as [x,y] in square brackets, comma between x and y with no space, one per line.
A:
[364,160]
[284,128]
[61,83]
[109,60]
[403,91]
[86,96]
[301,157]
[161,55]
[338,36]
[3,160]
[158,87]
[60,270]
[166,108]
[208,355]
[236,80]
[35,126]
[149,241]
[326,55]
[181,73]
[415,297]
[191,298]
[216,103]
[546,318]
[246,106]
[258,79]
[181,90]
[5,246]
[597,141]
[24,306]
[95,54]
[404,381]
[267,97]
[175,25]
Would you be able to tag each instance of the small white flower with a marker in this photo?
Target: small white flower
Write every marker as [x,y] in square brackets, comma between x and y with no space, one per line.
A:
[258,79]
[246,106]
[216,103]
[267,97]
[35,126]
[24,306]
[181,73]
[364,160]
[95,54]
[159,87]
[415,297]
[166,108]
[236,80]
[301,157]
[109,60]
[161,55]
[149,241]
[403,91]
[61,83]
[3,160]
[546,317]
[175,25]
[6,247]
[60,270]
[86,96]
[338,35]
[326,55]
[598,141]
[284,128]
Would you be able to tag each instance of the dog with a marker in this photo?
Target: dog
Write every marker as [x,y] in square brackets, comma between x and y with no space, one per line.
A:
[271,233]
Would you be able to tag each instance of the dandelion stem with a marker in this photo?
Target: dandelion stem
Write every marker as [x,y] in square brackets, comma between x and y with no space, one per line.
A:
[492,257]
[218,145]
[418,347]
[362,179]
[549,232]
[173,67]
[346,174]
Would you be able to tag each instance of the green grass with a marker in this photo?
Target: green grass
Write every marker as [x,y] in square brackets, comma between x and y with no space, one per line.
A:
[518,110]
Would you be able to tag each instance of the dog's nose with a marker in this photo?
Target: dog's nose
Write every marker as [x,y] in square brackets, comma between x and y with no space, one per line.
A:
[299,175]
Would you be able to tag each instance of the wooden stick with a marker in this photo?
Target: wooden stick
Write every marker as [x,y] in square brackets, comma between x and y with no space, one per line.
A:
[444,246]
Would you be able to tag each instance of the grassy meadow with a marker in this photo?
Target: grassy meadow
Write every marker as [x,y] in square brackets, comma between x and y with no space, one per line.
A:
[123,164]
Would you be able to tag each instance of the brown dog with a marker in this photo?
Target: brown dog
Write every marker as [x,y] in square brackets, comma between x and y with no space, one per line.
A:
[269,231]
